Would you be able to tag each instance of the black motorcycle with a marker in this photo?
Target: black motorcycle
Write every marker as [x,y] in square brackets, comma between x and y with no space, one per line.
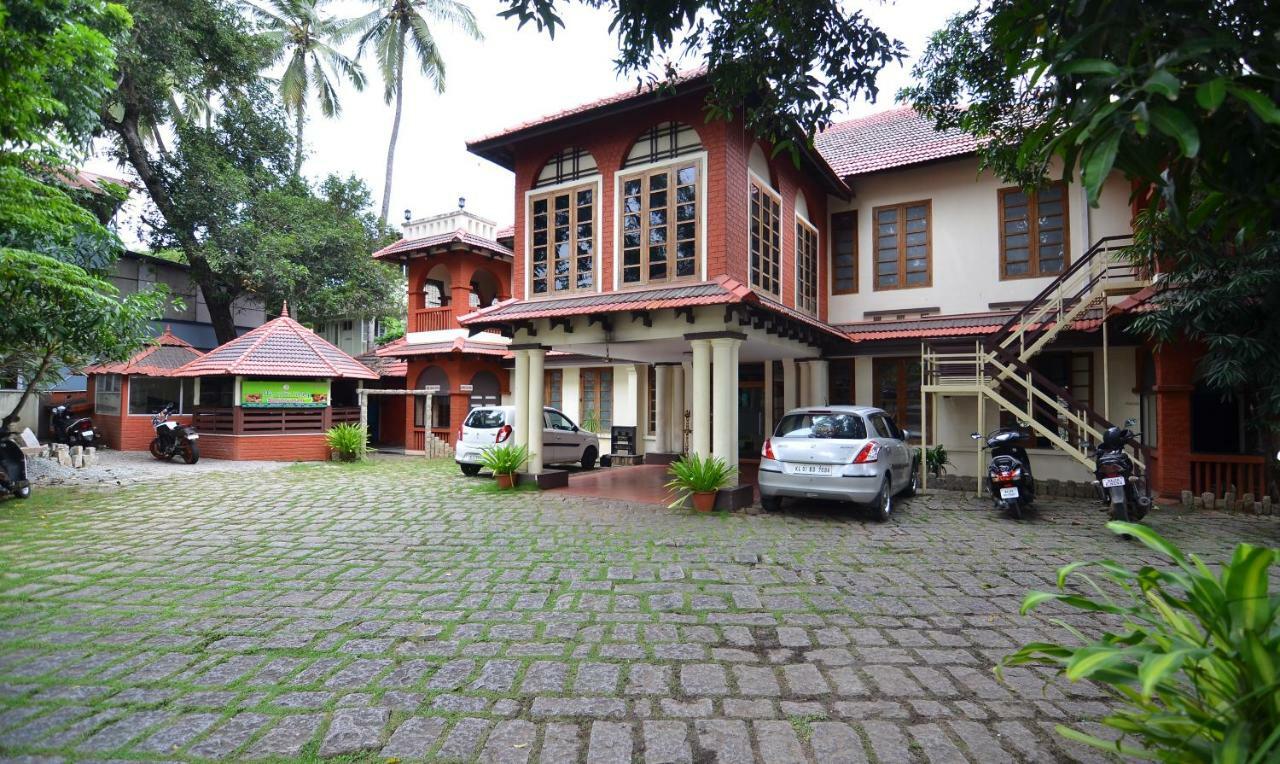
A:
[13,467]
[72,429]
[172,438]
[1118,488]
[1009,477]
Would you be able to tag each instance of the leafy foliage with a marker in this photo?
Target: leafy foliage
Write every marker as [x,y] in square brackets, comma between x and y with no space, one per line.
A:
[40,215]
[305,36]
[783,64]
[936,459]
[349,441]
[392,330]
[505,459]
[590,422]
[1181,98]
[1195,663]
[694,474]
[59,317]
[55,70]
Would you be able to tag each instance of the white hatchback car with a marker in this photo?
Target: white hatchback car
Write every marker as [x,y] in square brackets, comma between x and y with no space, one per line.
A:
[563,442]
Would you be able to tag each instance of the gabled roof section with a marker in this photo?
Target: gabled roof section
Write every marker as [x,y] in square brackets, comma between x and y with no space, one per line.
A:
[384,366]
[442,242]
[281,347]
[162,358]
[888,140]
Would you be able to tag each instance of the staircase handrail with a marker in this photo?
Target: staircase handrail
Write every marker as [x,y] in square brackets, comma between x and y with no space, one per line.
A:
[1103,244]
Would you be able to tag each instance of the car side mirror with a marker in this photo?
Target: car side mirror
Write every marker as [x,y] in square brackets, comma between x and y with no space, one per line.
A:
[906,435]
[975,436]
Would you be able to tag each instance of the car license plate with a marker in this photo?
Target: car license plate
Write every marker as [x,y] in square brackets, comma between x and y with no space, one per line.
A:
[193,436]
[810,469]
[1112,482]
[471,455]
[1008,493]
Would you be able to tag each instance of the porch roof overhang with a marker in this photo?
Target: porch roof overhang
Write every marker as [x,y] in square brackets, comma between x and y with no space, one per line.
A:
[404,349]
[741,304]
[444,242]
[953,326]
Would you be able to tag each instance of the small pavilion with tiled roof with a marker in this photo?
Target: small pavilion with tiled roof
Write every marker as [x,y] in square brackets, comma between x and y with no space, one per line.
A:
[273,392]
[125,394]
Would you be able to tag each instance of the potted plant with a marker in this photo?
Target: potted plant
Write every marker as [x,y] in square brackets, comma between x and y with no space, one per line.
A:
[349,441]
[504,462]
[936,459]
[590,422]
[692,475]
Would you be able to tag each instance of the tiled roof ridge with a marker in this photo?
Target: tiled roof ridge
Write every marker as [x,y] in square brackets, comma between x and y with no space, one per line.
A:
[867,119]
[306,335]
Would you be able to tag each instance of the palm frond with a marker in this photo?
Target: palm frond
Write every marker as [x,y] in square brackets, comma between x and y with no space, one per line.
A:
[450,12]
[294,83]
[428,54]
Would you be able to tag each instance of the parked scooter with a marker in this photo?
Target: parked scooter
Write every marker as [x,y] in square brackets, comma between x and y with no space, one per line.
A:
[13,467]
[1118,488]
[173,438]
[1009,477]
[71,429]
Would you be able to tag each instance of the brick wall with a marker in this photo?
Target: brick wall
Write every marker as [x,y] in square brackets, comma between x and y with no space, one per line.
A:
[302,448]
[727,145]
[1175,366]
[124,431]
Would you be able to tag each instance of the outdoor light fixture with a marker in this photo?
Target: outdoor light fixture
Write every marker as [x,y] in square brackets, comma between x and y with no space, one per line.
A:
[462,202]
[407,215]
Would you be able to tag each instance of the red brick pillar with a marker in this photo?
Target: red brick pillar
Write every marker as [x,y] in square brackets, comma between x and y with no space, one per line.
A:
[1175,380]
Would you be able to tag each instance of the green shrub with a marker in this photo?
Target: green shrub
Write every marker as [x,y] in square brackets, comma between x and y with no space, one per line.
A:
[350,441]
[692,474]
[590,422]
[936,459]
[1195,664]
[505,460]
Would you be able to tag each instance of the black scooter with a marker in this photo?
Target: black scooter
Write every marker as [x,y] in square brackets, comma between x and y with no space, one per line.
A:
[172,438]
[1009,478]
[1118,488]
[13,467]
[73,430]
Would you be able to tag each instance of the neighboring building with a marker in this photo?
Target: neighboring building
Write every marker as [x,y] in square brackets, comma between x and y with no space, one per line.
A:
[354,335]
[125,395]
[718,287]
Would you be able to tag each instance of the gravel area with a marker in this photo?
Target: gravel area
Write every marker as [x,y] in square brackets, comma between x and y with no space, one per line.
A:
[120,468]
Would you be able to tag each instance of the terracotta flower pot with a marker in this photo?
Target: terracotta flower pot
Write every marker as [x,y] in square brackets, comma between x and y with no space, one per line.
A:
[505,481]
[704,501]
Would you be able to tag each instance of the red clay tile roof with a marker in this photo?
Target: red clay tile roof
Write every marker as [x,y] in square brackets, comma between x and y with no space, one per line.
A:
[506,232]
[166,355]
[894,138]
[1142,301]
[281,347]
[720,291]
[385,367]
[401,348]
[954,325]
[445,240]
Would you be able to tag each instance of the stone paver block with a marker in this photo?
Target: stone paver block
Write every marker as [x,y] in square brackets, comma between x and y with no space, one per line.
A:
[413,738]
[354,729]
[610,743]
[288,737]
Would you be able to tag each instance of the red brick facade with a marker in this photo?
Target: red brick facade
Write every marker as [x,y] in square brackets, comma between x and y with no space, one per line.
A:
[310,447]
[727,145]
[1175,366]
[125,431]
[461,369]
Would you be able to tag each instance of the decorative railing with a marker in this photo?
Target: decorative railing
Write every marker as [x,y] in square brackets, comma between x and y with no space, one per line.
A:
[237,420]
[432,319]
[1220,474]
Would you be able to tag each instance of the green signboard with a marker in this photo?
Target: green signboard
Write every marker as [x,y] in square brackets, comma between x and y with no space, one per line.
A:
[291,394]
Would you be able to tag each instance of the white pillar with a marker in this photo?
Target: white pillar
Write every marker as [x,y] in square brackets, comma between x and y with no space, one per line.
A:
[536,394]
[641,403]
[725,393]
[630,389]
[662,404]
[803,388]
[818,383]
[700,407]
[735,366]
[520,389]
[788,386]
[768,399]
[675,427]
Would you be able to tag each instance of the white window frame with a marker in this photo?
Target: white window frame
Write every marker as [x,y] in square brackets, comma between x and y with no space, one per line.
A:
[597,183]
[817,259]
[697,157]
[98,391]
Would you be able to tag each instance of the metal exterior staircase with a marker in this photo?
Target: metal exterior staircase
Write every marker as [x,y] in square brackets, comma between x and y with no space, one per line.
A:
[998,369]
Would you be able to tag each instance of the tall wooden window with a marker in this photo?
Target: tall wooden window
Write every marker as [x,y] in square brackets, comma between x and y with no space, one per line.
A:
[806,267]
[903,239]
[766,239]
[553,388]
[563,254]
[660,224]
[596,397]
[844,252]
[651,420]
[896,383]
[1034,240]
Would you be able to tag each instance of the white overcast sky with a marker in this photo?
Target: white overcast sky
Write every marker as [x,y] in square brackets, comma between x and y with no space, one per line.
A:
[511,76]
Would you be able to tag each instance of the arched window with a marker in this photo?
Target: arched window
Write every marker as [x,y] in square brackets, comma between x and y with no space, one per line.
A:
[666,140]
[570,164]
[764,226]
[432,376]
[806,258]
[485,390]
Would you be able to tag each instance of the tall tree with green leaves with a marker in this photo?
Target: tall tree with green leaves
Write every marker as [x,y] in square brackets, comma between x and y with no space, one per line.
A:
[1180,96]
[397,29]
[306,37]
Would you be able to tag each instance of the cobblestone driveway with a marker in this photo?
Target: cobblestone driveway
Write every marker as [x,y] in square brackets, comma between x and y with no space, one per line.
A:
[402,611]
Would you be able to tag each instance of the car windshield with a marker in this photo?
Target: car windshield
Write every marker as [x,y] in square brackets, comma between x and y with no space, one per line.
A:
[822,425]
[486,419]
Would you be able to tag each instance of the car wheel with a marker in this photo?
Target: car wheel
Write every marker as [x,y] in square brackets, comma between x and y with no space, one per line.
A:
[771,503]
[470,470]
[589,458]
[884,501]
[913,485]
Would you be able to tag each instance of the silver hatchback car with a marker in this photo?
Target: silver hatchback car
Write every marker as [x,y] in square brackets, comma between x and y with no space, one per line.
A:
[844,453]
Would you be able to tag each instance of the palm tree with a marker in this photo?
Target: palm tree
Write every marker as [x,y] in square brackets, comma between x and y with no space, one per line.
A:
[388,29]
[307,37]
